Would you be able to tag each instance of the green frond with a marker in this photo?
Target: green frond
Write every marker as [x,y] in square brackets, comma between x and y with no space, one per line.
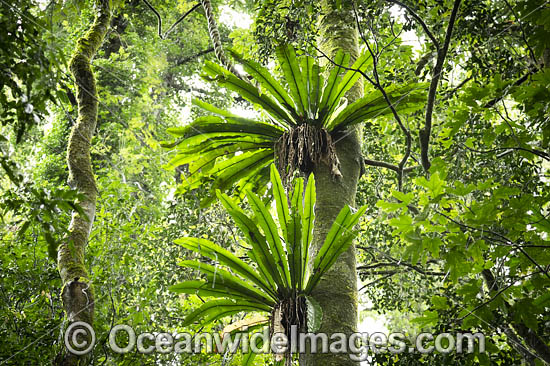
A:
[271,233]
[225,78]
[264,78]
[214,310]
[215,252]
[217,276]
[337,241]
[348,80]
[407,98]
[331,85]
[293,76]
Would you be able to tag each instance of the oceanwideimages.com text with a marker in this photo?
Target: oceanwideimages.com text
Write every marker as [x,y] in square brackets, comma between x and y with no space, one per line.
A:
[80,339]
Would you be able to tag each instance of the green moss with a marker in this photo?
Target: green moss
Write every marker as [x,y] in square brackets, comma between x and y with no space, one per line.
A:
[77,292]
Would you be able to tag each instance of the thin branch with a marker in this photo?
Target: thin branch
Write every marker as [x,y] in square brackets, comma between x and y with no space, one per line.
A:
[194,56]
[406,132]
[180,19]
[523,36]
[159,18]
[425,133]
[531,337]
[376,281]
[504,238]
[383,164]
[420,270]
[518,82]
[483,304]
[538,153]
[157,14]
[419,20]
[451,92]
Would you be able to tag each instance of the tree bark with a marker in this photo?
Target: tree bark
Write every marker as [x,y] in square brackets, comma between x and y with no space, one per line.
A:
[77,294]
[337,290]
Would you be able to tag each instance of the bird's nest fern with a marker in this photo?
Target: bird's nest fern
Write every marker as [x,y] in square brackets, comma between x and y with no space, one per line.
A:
[275,280]
[299,118]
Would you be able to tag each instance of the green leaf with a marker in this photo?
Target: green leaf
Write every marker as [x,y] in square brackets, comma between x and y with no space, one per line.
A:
[266,222]
[403,223]
[439,302]
[216,309]
[312,78]
[241,166]
[293,76]
[348,80]
[218,276]
[213,109]
[390,206]
[404,99]
[281,200]
[295,230]
[248,358]
[331,86]
[338,240]
[435,185]
[314,314]
[542,300]
[405,198]
[216,124]
[217,253]
[430,318]
[308,220]
[206,289]
[295,250]
[248,91]
[212,151]
[260,249]
[263,76]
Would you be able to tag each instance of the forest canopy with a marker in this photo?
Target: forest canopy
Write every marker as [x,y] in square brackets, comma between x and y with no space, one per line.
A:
[256,169]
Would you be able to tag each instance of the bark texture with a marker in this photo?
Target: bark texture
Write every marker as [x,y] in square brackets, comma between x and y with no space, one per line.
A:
[337,291]
[78,298]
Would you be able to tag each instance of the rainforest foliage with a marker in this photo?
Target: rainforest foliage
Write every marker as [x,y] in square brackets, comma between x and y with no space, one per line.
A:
[220,133]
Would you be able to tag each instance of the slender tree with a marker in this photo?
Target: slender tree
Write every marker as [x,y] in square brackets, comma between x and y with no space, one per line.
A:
[77,294]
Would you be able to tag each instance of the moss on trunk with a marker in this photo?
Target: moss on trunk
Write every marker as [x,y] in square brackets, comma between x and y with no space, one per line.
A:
[337,291]
[78,298]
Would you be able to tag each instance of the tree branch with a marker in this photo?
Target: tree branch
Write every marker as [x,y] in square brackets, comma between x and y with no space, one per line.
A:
[159,18]
[419,20]
[518,82]
[376,83]
[424,134]
[194,56]
[383,164]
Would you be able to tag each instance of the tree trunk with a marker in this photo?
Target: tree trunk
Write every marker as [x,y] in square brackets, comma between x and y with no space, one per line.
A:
[78,298]
[337,291]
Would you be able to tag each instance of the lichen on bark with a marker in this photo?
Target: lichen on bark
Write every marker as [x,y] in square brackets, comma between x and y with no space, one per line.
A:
[77,294]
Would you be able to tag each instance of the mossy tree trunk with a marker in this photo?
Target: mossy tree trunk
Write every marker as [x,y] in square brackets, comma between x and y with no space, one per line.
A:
[337,291]
[78,298]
